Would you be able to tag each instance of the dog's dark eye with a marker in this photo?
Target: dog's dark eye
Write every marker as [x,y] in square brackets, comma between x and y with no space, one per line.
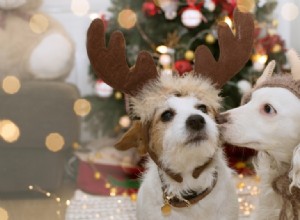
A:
[269,109]
[202,108]
[167,115]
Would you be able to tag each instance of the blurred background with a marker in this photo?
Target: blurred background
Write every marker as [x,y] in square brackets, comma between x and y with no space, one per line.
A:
[59,121]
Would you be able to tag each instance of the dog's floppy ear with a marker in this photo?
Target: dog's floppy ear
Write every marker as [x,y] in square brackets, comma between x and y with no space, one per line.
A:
[135,137]
[294,61]
[295,170]
[267,72]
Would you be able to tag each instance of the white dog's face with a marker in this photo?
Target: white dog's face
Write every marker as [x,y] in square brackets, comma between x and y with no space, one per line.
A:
[184,133]
[270,121]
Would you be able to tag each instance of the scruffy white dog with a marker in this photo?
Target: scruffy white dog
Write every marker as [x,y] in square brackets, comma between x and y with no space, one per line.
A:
[187,176]
[269,122]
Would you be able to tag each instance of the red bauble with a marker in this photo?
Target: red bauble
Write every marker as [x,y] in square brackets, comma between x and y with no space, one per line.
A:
[149,8]
[227,5]
[183,66]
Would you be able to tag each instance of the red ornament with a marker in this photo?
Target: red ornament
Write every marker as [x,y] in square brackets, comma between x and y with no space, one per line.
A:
[268,42]
[227,5]
[149,8]
[183,66]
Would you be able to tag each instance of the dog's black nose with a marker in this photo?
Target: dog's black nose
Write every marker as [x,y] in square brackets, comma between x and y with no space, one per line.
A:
[195,122]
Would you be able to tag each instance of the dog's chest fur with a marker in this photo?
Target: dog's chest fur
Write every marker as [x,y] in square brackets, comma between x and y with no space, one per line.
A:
[221,203]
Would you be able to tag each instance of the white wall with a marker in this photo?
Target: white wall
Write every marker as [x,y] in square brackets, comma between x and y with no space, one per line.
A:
[289,30]
[77,27]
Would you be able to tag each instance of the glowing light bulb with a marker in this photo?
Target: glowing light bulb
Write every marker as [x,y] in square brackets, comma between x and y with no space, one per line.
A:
[11,84]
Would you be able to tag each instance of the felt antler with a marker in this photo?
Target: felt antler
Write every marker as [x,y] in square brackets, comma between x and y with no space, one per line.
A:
[110,63]
[234,50]
[268,72]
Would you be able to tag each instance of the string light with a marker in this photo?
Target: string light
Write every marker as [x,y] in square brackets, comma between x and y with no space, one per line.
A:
[9,131]
[247,191]
[39,23]
[80,7]
[82,107]
[259,61]
[127,19]
[60,204]
[55,142]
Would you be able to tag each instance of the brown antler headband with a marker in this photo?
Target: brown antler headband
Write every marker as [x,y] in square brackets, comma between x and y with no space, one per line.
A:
[235,50]
[111,66]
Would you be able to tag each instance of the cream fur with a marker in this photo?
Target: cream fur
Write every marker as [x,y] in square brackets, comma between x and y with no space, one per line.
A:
[18,41]
[156,93]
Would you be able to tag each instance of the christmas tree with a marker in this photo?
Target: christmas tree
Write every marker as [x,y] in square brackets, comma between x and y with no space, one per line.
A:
[171,30]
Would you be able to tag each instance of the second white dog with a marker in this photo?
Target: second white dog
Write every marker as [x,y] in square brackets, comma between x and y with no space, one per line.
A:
[270,123]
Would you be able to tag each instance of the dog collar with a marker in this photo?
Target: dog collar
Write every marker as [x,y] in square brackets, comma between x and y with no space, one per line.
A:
[185,200]
[176,176]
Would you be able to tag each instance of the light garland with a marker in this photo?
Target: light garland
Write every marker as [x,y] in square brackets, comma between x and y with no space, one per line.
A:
[61,204]
[247,190]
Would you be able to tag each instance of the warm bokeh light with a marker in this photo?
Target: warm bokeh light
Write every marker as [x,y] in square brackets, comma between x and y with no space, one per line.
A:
[68,202]
[82,107]
[3,214]
[55,142]
[113,191]
[162,49]
[210,39]
[262,58]
[127,18]
[38,23]
[276,48]
[118,95]
[76,146]
[133,197]
[124,121]
[228,21]
[246,5]
[289,11]
[97,175]
[93,16]
[165,59]
[11,84]
[9,131]
[191,18]
[80,7]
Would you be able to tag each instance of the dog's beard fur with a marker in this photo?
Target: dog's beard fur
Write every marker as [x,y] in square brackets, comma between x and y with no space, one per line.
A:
[278,134]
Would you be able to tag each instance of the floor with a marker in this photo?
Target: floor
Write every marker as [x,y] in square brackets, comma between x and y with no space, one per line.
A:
[37,206]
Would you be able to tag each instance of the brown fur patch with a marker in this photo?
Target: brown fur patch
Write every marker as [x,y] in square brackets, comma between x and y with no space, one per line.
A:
[135,137]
